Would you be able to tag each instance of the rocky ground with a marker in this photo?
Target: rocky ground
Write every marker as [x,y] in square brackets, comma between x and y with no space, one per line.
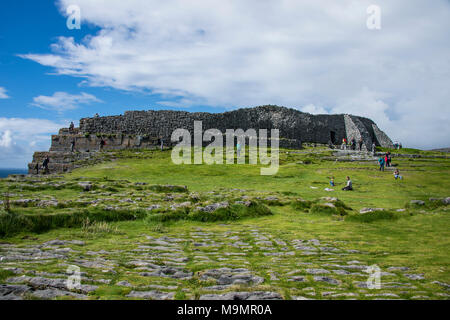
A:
[208,265]
[291,236]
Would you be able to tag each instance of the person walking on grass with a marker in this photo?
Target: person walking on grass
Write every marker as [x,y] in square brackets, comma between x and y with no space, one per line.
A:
[386,163]
[389,159]
[353,144]
[381,162]
[349,186]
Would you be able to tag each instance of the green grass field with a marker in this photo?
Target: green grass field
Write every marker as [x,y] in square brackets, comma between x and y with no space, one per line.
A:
[289,234]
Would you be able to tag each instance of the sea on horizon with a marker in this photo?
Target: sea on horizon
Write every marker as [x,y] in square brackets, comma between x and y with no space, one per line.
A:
[5,172]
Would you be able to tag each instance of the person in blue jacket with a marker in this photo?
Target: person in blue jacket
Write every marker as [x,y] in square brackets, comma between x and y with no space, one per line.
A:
[381,162]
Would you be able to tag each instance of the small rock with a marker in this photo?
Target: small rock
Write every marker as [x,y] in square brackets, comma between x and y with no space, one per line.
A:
[327,280]
[87,186]
[154,295]
[367,210]
[415,276]
[256,295]
[317,271]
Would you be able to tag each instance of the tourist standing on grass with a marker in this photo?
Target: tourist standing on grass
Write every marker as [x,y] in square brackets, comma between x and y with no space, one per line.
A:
[397,175]
[102,144]
[386,160]
[349,186]
[353,144]
[344,144]
[381,162]
[45,165]
[332,182]
[389,159]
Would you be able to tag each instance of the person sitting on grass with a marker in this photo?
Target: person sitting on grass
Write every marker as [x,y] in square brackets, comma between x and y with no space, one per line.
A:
[397,175]
[349,186]
[332,181]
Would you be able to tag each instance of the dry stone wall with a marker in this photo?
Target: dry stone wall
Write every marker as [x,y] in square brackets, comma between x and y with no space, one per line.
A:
[145,129]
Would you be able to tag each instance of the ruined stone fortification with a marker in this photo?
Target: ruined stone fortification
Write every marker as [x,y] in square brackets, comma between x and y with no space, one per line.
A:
[144,129]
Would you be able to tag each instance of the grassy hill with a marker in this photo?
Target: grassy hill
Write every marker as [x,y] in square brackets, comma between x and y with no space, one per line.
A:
[146,228]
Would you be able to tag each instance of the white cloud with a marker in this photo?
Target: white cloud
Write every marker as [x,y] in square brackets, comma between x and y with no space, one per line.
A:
[5,139]
[62,101]
[291,53]
[3,94]
[313,109]
[19,138]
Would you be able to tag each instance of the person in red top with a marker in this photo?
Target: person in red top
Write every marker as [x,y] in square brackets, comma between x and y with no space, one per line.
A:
[344,144]
[386,160]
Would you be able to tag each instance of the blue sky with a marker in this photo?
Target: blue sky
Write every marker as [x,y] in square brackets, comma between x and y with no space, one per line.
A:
[315,56]
[31,27]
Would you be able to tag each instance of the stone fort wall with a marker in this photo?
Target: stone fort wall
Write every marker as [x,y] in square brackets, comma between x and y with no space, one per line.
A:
[144,129]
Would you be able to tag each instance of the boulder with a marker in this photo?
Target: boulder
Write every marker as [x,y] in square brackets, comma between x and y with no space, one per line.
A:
[213,207]
[86,186]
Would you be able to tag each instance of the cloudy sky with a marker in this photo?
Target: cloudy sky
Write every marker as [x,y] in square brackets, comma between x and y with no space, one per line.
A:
[216,55]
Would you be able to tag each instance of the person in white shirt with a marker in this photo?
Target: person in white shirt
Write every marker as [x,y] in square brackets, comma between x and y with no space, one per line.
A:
[349,185]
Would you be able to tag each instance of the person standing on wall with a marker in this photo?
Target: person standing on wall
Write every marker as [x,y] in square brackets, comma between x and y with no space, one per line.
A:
[45,165]
[102,144]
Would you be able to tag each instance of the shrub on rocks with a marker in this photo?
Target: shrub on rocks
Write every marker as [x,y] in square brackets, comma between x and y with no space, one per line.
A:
[326,209]
[433,203]
[372,216]
[12,223]
[167,189]
[301,205]
[231,212]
